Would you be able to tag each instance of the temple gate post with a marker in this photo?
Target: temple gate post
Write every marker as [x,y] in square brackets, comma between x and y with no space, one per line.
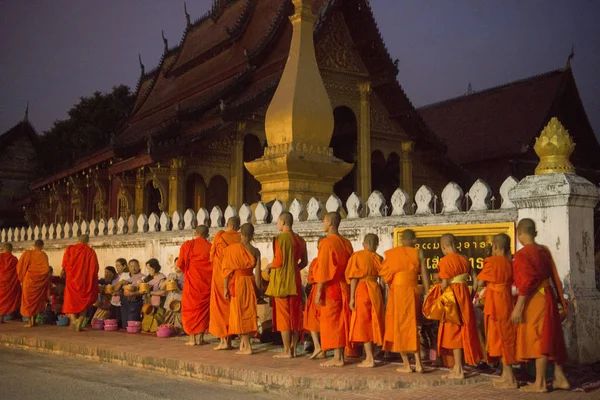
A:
[562,205]
[139,191]
[364,141]
[176,185]
[406,166]
[236,186]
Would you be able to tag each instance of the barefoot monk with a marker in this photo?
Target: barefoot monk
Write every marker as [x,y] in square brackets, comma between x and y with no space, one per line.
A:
[10,288]
[33,271]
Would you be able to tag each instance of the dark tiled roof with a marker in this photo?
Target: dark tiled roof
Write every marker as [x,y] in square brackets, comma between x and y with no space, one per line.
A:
[23,128]
[497,122]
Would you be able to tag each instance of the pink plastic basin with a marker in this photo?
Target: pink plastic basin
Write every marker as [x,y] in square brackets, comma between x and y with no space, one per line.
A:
[111,328]
[134,329]
[134,323]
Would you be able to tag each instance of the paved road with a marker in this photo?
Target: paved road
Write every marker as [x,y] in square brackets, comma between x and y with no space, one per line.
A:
[25,375]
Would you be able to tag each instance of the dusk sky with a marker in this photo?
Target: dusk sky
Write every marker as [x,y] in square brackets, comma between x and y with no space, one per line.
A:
[53,52]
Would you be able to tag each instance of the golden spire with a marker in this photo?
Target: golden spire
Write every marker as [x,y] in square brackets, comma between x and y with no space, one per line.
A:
[300,110]
[554,147]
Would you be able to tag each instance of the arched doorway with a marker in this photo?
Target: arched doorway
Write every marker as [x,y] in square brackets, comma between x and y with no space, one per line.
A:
[392,174]
[195,192]
[216,193]
[378,177]
[253,149]
[153,197]
[343,143]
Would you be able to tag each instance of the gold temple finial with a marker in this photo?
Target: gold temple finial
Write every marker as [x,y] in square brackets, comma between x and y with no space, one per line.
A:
[187,15]
[165,41]
[554,148]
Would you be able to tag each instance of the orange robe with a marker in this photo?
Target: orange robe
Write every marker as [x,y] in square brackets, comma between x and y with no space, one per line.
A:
[540,332]
[366,323]
[194,262]
[400,270]
[334,253]
[464,336]
[10,288]
[81,268]
[219,305]
[500,332]
[34,274]
[287,311]
[238,263]
[312,312]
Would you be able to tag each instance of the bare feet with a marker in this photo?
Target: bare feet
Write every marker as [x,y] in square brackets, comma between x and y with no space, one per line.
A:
[504,384]
[191,343]
[561,383]
[222,346]
[333,363]
[460,376]
[283,355]
[245,352]
[406,369]
[366,364]
[318,353]
[535,388]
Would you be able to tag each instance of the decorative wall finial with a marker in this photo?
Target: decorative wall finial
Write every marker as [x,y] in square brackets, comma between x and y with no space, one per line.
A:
[571,56]
[165,41]
[141,64]
[554,147]
[187,15]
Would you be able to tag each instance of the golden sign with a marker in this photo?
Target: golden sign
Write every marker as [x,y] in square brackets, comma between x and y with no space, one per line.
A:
[472,240]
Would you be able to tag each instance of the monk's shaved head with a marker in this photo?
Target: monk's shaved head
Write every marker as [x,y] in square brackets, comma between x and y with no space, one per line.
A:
[448,239]
[527,227]
[502,242]
[247,230]
[39,244]
[7,247]
[202,231]
[234,223]
[84,239]
[408,234]
[287,218]
[334,218]
[371,241]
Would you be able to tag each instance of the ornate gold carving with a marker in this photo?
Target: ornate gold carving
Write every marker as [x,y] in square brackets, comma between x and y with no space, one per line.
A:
[335,49]
[554,148]
[380,118]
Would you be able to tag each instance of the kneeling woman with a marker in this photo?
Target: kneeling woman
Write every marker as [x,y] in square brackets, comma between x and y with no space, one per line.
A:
[153,310]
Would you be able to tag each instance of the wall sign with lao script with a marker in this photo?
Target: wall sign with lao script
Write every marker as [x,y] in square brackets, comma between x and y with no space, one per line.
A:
[473,241]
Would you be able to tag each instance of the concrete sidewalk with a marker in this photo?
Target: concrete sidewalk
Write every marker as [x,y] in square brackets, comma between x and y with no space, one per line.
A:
[299,377]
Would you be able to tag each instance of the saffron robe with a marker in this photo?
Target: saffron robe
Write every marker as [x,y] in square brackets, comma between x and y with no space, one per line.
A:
[34,274]
[312,313]
[464,336]
[367,321]
[400,270]
[540,333]
[219,306]
[81,268]
[500,332]
[194,262]
[334,253]
[285,283]
[238,263]
[10,288]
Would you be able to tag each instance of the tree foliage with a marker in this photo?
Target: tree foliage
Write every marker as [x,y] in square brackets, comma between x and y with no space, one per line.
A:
[91,124]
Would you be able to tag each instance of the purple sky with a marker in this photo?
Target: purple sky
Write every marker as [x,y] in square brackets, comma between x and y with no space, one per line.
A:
[53,52]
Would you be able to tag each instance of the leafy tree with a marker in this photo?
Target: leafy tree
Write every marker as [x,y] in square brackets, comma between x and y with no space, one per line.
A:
[90,126]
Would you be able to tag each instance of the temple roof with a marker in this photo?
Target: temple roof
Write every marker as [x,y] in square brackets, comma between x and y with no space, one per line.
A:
[23,128]
[503,121]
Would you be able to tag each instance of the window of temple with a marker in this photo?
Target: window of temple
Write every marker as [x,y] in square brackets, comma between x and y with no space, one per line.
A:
[76,209]
[253,149]
[195,192]
[216,193]
[152,197]
[123,206]
[344,144]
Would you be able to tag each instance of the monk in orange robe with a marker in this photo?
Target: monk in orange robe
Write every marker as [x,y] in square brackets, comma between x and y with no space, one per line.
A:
[10,288]
[333,256]
[461,340]
[285,284]
[81,290]
[241,272]
[539,334]
[366,300]
[400,270]
[312,312]
[194,262]
[33,272]
[500,333]
[219,305]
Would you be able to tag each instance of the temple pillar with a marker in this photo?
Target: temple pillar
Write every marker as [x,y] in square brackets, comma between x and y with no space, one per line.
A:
[236,181]
[139,191]
[562,206]
[176,185]
[406,166]
[298,162]
[364,142]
